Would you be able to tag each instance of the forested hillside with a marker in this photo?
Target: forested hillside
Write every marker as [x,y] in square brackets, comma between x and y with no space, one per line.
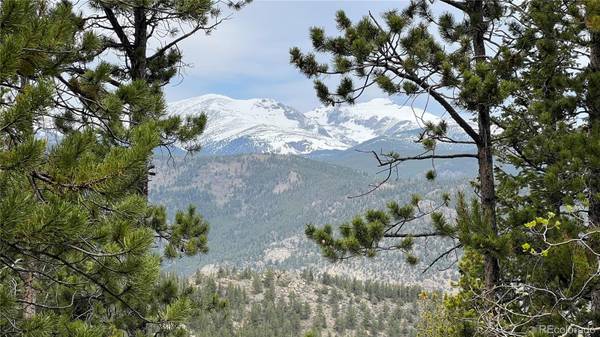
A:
[258,207]
[280,304]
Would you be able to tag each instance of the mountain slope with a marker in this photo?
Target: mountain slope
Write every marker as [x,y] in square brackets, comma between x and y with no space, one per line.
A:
[354,124]
[254,126]
[267,126]
[258,206]
[283,304]
[259,201]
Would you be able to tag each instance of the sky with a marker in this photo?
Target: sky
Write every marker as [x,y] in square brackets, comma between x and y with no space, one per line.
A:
[248,55]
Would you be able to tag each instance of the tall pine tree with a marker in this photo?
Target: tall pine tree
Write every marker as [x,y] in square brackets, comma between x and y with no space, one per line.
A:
[144,37]
[77,242]
[462,68]
[548,135]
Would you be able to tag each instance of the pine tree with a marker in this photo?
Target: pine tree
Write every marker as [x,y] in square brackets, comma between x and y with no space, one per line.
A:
[401,55]
[556,153]
[126,29]
[350,317]
[257,285]
[547,135]
[547,109]
[77,243]
[592,103]
[320,320]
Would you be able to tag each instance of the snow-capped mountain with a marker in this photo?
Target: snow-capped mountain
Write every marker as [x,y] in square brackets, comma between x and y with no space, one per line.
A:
[254,125]
[354,124]
[267,126]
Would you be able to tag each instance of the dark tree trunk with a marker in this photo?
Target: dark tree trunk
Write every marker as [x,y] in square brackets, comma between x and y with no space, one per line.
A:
[138,56]
[139,71]
[593,104]
[484,151]
[488,205]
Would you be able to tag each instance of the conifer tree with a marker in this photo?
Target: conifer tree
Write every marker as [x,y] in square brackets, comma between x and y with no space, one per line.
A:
[257,285]
[320,319]
[77,243]
[546,105]
[462,68]
[127,29]
[548,135]
[592,20]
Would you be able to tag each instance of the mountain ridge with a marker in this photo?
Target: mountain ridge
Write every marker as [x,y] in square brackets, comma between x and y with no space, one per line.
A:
[258,206]
[264,125]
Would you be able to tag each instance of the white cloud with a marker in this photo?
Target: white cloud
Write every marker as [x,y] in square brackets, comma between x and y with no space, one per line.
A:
[247,56]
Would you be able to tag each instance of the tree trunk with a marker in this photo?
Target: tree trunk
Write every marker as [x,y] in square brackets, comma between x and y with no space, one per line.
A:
[139,72]
[593,104]
[138,61]
[484,152]
[488,204]
[29,295]
[29,292]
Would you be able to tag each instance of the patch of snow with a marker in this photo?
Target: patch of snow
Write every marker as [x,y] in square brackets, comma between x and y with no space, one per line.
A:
[263,125]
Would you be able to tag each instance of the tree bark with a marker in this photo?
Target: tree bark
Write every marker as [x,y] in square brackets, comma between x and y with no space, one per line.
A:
[29,296]
[593,105]
[484,151]
[139,71]
[138,58]
[488,202]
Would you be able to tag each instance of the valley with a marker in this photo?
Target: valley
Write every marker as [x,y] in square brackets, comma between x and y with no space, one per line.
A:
[258,194]
[258,206]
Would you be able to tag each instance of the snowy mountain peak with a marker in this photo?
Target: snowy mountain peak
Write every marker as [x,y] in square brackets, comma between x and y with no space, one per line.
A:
[253,125]
[363,121]
[376,108]
[266,125]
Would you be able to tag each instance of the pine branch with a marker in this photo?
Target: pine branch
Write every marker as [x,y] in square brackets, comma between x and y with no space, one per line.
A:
[173,43]
[442,101]
[422,82]
[382,163]
[456,4]
[446,253]
[118,29]
[413,235]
